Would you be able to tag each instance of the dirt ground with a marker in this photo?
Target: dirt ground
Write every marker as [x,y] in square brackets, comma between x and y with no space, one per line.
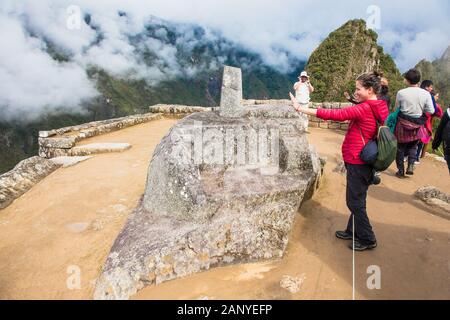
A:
[72,217]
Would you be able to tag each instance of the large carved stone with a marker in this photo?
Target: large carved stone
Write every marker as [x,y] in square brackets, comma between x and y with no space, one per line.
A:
[219,191]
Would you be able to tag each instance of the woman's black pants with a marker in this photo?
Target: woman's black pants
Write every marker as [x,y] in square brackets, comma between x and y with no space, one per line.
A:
[359,178]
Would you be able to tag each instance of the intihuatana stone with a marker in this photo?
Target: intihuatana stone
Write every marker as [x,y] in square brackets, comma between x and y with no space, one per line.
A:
[220,190]
[231,97]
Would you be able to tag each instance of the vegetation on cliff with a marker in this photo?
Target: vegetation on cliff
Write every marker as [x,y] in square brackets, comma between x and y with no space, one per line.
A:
[439,72]
[346,53]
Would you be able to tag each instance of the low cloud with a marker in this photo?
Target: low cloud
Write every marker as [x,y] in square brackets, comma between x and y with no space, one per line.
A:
[31,80]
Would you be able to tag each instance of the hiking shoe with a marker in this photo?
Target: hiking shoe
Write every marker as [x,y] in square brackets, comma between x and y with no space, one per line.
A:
[376,180]
[400,175]
[362,247]
[410,170]
[344,235]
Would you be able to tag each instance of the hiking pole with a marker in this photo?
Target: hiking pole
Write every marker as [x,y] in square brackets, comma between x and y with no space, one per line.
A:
[353,247]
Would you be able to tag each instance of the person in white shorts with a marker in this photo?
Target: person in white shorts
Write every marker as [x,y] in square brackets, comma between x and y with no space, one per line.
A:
[303,89]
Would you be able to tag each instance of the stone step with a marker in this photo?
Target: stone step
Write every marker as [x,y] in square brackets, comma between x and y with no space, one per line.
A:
[69,161]
[96,148]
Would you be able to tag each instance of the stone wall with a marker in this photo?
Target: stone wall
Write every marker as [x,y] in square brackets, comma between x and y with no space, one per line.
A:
[23,177]
[57,143]
[314,122]
[174,109]
[60,142]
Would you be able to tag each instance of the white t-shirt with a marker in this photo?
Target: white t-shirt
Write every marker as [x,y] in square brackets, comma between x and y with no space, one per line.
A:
[302,93]
[414,102]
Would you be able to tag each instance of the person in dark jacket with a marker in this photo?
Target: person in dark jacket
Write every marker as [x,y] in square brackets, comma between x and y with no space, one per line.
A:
[362,128]
[443,136]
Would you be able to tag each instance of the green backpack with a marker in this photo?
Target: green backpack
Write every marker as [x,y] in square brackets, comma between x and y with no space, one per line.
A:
[381,151]
[387,149]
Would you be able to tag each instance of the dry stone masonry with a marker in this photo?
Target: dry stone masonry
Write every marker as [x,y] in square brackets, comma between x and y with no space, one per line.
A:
[23,177]
[177,109]
[61,142]
[220,190]
[314,122]
[95,148]
[59,146]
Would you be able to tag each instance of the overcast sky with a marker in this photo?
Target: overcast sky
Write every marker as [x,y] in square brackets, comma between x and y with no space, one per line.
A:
[409,31]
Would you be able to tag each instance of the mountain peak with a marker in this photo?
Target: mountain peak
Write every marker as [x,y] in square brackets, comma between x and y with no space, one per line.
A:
[347,52]
[446,55]
[438,71]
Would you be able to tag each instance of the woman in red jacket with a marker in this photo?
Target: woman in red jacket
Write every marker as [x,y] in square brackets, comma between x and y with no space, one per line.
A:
[362,128]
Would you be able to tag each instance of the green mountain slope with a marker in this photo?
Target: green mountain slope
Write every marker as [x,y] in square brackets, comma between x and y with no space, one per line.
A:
[125,96]
[346,53]
[439,72]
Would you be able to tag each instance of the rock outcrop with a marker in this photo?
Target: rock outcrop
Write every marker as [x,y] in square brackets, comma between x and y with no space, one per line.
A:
[220,190]
[23,177]
[436,200]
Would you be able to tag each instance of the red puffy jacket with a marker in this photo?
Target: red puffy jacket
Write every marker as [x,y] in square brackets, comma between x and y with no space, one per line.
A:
[362,125]
[429,124]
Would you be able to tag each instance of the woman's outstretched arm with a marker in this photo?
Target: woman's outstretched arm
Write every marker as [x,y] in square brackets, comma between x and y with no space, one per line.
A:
[350,113]
[308,111]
